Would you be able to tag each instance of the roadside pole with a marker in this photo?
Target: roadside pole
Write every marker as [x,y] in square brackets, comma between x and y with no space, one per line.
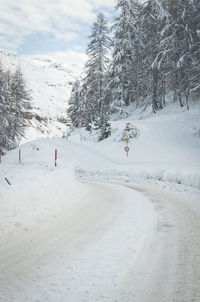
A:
[126,148]
[56,155]
[19,156]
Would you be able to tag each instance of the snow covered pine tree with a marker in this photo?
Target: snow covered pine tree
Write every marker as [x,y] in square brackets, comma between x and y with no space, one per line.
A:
[14,107]
[88,105]
[95,67]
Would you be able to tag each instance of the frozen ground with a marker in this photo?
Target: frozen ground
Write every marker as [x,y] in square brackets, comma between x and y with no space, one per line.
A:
[135,239]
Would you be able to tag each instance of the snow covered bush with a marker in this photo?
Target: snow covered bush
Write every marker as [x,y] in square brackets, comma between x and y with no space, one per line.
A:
[130,132]
[100,129]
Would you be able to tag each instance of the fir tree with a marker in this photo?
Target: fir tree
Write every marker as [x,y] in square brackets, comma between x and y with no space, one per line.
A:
[5,111]
[20,106]
[121,57]
[95,68]
[156,51]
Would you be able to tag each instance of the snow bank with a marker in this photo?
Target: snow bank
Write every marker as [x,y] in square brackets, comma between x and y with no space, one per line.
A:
[38,189]
[141,176]
[166,150]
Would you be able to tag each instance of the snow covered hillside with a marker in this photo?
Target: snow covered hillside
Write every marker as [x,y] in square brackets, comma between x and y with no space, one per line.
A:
[166,148]
[49,82]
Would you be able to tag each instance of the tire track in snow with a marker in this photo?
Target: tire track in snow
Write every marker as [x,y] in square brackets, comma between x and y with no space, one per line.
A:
[169,266]
[118,245]
[83,254]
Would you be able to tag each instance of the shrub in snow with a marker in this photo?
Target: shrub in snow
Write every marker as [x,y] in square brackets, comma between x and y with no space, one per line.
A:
[129,132]
[89,127]
[100,128]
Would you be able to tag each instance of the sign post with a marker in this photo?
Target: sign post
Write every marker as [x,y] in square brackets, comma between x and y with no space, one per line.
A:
[56,154]
[127,140]
[126,149]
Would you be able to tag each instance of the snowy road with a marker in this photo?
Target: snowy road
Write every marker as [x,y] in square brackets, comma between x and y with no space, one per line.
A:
[119,244]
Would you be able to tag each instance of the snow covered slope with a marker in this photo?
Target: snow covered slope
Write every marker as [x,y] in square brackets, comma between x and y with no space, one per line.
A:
[167,148]
[49,82]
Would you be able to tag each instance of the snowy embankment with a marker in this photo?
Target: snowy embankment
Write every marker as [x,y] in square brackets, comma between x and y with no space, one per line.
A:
[37,189]
[167,150]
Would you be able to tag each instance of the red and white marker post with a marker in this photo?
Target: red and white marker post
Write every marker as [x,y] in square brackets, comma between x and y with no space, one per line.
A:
[126,149]
[56,156]
[19,156]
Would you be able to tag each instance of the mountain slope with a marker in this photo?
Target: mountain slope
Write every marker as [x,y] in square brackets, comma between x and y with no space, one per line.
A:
[50,85]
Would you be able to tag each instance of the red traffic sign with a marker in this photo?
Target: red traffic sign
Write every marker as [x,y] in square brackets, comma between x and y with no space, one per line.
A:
[126,148]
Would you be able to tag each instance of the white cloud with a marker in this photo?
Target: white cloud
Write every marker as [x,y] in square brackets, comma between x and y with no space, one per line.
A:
[61,18]
[64,36]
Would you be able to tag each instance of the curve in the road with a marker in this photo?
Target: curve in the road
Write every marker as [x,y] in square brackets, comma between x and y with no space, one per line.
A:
[130,244]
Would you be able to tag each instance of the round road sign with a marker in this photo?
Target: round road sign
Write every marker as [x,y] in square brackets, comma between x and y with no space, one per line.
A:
[126,148]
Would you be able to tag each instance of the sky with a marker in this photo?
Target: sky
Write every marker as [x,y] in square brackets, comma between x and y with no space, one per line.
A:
[57,27]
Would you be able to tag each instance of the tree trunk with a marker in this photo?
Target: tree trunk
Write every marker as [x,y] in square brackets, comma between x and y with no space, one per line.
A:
[155,88]
[180,98]
[163,93]
[187,93]
[175,95]
[180,78]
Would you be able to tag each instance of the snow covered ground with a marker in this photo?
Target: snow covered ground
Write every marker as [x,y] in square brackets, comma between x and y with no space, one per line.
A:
[135,238]
[165,150]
